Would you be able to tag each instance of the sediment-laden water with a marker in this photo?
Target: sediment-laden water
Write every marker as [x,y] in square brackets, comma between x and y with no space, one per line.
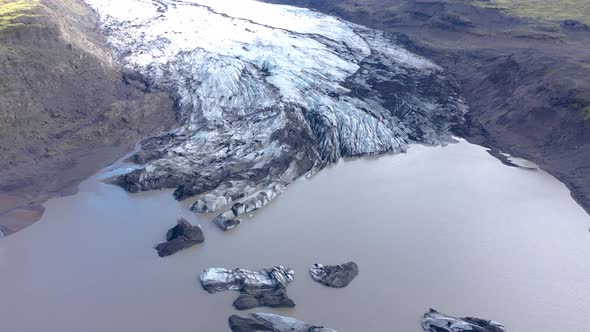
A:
[450,228]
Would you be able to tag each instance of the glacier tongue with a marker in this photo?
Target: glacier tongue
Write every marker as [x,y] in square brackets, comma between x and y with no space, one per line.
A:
[266,93]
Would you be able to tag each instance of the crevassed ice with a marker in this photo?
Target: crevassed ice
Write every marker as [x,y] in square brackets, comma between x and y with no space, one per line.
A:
[266,93]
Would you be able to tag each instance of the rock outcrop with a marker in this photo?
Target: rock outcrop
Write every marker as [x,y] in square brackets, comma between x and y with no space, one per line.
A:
[337,276]
[276,99]
[434,321]
[182,236]
[264,288]
[272,323]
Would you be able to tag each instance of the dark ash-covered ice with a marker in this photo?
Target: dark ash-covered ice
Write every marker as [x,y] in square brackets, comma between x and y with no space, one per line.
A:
[434,321]
[337,276]
[182,236]
[272,323]
[264,288]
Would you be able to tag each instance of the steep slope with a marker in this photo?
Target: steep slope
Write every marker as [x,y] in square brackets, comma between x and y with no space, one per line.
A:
[268,93]
[526,80]
[65,109]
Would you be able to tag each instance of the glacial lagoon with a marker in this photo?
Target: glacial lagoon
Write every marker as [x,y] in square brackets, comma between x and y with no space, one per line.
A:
[450,228]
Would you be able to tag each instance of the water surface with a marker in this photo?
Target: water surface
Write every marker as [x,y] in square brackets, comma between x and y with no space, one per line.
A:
[449,228]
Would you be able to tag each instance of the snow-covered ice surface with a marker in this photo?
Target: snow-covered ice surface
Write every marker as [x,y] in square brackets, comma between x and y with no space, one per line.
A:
[267,93]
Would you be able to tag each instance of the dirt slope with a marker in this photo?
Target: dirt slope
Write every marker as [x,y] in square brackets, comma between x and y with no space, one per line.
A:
[65,109]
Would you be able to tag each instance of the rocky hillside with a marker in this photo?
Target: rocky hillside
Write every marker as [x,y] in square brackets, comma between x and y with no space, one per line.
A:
[65,109]
[524,66]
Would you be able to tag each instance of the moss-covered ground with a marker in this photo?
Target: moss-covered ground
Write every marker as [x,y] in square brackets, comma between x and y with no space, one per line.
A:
[545,9]
[13,11]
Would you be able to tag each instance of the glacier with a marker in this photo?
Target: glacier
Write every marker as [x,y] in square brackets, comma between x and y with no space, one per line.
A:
[268,93]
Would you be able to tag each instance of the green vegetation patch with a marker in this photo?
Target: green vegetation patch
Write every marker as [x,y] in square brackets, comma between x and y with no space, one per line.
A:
[544,9]
[370,6]
[11,10]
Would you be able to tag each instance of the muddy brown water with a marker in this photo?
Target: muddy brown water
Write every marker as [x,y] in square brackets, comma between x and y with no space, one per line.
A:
[449,228]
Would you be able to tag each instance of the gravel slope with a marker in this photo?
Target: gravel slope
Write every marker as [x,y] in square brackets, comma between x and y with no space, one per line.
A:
[65,109]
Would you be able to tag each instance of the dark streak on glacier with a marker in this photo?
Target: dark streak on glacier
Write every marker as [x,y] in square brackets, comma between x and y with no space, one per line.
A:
[268,93]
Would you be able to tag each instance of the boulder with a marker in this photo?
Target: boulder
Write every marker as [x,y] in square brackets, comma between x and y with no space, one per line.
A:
[337,276]
[434,321]
[182,236]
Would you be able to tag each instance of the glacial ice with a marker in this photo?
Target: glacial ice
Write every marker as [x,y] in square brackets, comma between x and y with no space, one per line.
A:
[267,93]
[434,321]
[216,280]
[264,288]
[270,322]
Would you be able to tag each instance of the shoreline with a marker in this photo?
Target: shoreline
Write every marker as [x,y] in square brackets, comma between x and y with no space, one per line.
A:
[29,207]
[577,193]
[122,159]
